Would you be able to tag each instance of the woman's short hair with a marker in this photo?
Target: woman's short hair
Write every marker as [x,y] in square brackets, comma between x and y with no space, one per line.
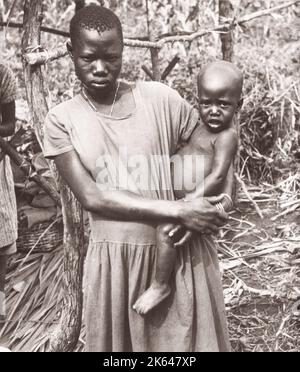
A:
[95,17]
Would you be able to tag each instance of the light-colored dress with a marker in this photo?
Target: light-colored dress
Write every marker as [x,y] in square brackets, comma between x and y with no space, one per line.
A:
[8,209]
[120,261]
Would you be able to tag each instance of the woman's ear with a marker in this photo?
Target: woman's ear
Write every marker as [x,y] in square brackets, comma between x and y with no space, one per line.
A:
[70,49]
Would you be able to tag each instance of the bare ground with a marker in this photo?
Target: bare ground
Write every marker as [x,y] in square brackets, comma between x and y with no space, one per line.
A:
[259,260]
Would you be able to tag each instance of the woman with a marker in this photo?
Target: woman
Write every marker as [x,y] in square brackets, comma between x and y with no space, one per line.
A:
[112,144]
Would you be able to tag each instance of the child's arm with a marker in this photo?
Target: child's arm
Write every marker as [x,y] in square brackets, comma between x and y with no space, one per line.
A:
[228,191]
[229,183]
[7,127]
[225,149]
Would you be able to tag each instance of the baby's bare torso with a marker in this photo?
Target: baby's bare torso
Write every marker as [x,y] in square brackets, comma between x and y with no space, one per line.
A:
[193,162]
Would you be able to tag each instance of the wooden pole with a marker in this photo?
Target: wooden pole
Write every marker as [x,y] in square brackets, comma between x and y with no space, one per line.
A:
[226,12]
[154,52]
[66,335]
[34,79]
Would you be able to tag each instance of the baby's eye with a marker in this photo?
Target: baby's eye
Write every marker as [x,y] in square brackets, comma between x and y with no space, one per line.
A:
[224,104]
[204,103]
[86,59]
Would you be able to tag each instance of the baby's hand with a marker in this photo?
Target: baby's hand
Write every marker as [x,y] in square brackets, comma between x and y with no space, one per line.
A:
[183,238]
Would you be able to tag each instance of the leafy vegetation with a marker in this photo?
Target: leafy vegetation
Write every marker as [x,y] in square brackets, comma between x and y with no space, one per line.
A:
[266,49]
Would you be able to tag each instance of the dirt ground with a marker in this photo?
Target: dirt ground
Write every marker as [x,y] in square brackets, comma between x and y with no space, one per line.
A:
[262,288]
[259,261]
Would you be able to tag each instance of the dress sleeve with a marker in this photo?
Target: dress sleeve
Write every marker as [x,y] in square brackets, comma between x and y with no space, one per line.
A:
[8,90]
[187,120]
[57,140]
[184,117]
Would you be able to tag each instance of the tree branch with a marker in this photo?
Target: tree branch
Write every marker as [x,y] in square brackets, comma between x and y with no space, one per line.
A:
[54,31]
[225,27]
[44,29]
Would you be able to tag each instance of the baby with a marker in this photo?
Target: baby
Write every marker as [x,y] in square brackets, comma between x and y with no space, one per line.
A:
[212,148]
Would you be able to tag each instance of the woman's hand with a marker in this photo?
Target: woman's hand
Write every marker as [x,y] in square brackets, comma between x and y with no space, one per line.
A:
[201,215]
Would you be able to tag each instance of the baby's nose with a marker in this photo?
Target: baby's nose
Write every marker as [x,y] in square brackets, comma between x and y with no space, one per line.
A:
[214,109]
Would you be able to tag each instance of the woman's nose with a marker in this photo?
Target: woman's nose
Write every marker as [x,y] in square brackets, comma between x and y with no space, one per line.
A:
[99,67]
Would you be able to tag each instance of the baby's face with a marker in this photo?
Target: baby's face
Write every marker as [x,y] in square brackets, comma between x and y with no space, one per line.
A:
[218,101]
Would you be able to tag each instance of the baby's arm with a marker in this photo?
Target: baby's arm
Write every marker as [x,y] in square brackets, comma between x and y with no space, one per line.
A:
[225,148]
[228,190]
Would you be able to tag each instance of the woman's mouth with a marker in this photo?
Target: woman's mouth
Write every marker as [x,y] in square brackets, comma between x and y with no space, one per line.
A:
[100,84]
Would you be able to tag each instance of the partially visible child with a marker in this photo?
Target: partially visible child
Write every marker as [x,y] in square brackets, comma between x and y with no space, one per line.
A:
[8,209]
[211,148]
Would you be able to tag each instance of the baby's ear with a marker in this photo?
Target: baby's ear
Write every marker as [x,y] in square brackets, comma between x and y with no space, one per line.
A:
[70,49]
[240,104]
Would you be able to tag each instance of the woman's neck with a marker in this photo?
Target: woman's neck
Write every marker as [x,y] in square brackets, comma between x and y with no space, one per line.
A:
[120,102]
[103,98]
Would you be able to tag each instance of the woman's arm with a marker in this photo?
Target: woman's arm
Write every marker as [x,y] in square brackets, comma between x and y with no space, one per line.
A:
[7,127]
[198,215]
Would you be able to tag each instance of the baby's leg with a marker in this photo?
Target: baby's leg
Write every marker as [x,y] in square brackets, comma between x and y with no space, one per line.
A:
[165,262]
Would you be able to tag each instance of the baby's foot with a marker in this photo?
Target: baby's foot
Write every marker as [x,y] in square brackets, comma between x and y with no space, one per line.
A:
[152,297]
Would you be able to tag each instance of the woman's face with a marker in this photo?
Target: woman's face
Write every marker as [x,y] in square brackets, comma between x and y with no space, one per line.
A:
[98,60]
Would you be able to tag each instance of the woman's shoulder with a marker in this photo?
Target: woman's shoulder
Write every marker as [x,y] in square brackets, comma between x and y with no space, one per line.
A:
[150,86]
[157,90]
[64,107]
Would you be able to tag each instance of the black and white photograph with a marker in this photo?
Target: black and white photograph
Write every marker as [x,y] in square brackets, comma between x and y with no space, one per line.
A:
[149,178]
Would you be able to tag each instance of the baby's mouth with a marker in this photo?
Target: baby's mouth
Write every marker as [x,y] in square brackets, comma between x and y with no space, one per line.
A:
[215,124]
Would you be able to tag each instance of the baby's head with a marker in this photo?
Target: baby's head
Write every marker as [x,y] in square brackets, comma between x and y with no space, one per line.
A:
[220,87]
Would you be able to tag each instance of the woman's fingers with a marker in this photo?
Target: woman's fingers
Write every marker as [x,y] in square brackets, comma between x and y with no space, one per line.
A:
[186,237]
[208,225]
